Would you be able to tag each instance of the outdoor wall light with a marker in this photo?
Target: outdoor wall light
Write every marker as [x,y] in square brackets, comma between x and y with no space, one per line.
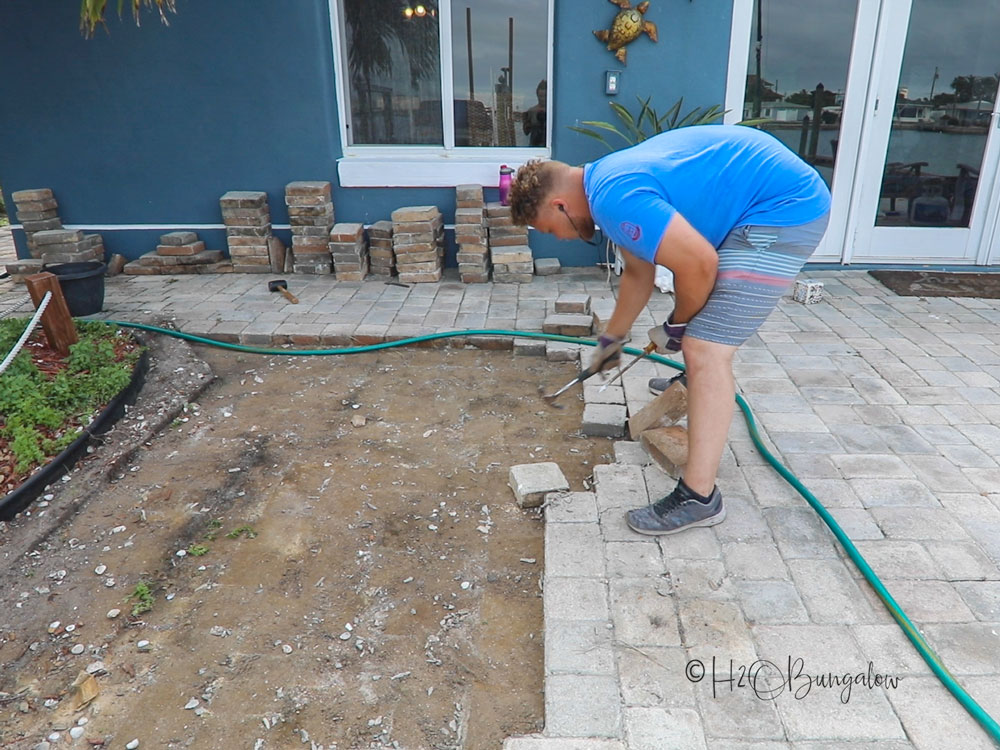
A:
[420,10]
[408,12]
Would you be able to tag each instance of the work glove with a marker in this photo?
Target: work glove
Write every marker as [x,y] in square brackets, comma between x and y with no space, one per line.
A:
[667,337]
[607,354]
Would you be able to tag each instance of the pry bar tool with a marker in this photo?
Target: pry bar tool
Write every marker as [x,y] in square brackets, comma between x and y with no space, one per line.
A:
[650,347]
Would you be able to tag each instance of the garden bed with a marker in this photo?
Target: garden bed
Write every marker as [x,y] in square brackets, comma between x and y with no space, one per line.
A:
[50,405]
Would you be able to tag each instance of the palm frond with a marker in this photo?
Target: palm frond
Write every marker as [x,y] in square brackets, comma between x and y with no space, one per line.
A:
[92,12]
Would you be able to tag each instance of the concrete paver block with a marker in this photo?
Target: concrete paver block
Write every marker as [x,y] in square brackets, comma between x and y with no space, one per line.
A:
[568,324]
[573,303]
[613,394]
[531,482]
[561,351]
[587,705]
[529,347]
[571,507]
[547,266]
[604,420]
[561,743]
[668,446]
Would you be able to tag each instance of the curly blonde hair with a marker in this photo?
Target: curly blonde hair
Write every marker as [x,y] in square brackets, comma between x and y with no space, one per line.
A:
[528,191]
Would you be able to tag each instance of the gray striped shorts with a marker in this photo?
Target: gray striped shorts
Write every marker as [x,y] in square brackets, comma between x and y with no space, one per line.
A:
[757,265]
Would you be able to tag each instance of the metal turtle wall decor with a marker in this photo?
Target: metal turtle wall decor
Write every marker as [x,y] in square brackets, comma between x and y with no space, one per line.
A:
[628,25]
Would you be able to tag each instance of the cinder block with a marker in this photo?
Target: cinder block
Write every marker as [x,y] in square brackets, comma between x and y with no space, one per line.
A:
[573,303]
[57,236]
[531,482]
[308,187]
[604,420]
[469,196]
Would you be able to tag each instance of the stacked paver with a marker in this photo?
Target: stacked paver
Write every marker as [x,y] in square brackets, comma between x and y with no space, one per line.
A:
[349,251]
[37,211]
[509,251]
[418,242]
[310,213]
[248,228]
[381,258]
[179,253]
[67,246]
[470,234]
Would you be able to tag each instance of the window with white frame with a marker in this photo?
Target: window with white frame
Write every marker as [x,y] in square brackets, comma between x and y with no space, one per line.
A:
[444,75]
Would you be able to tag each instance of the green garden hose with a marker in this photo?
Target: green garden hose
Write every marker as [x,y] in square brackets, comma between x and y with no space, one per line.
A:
[942,673]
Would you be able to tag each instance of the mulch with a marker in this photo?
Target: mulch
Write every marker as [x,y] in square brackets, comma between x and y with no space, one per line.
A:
[940,283]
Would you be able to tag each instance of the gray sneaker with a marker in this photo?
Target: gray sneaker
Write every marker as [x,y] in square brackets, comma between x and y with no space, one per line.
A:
[677,511]
[659,385]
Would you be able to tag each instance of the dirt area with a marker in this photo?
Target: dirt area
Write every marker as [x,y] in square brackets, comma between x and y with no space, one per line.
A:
[384,591]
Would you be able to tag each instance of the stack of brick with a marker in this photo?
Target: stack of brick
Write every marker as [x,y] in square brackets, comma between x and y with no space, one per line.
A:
[310,212]
[37,211]
[418,242]
[381,258]
[349,251]
[509,251]
[470,234]
[248,229]
[178,253]
[67,246]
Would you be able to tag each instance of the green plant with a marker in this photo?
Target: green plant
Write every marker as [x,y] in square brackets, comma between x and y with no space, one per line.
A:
[213,529]
[648,122]
[197,550]
[244,529]
[42,413]
[141,598]
[92,12]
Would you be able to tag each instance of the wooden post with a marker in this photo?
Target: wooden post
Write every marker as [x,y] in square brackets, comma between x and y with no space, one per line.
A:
[56,320]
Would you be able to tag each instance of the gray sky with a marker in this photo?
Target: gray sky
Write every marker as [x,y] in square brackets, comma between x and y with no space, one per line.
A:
[808,41]
[489,46]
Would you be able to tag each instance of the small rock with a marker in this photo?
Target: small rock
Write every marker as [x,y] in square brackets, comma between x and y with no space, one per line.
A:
[99,570]
[113,613]
[76,733]
[466,585]
[345,636]
[144,645]
[82,721]
[358,421]
[193,703]
[181,553]
[54,626]
[96,668]
[219,631]
[70,628]
[286,648]
[43,745]
[77,649]
[54,737]
[132,745]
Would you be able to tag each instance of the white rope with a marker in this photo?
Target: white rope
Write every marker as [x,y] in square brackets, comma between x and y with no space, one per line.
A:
[27,332]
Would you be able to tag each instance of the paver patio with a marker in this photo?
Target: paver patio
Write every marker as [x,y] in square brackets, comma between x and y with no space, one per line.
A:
[886,407]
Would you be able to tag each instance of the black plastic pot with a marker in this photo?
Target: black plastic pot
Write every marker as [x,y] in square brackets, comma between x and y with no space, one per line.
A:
[82,285]
[16,501]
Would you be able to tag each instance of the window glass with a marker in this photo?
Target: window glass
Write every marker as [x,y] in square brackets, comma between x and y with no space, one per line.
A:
[500,98]
[394,70]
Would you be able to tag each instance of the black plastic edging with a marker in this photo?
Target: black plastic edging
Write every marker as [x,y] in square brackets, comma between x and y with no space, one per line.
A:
[16,501]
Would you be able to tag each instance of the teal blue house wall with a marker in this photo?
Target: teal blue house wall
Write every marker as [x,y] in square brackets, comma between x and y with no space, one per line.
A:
[151,125]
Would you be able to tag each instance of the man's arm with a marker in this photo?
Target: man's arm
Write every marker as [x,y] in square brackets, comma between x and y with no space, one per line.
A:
[634,290]
[695,264]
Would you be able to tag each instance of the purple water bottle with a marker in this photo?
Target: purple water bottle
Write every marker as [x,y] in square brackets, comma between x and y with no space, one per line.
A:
[505,179]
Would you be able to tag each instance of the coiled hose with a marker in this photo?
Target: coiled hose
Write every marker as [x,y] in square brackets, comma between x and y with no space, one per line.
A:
[932,659]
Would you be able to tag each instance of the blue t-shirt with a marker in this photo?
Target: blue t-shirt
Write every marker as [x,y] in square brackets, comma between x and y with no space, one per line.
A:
[717,176]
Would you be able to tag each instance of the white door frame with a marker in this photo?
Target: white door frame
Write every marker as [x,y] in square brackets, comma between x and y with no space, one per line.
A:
[836,241]
[872,243]
[880,33]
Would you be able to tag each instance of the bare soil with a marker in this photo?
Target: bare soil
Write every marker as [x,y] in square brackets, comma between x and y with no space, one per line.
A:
[390,597]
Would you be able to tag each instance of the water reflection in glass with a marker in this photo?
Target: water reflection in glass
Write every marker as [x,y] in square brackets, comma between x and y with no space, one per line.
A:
[797,74]
[945,98]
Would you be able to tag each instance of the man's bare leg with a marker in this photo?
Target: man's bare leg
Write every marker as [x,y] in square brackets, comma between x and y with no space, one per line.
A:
[711,396]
